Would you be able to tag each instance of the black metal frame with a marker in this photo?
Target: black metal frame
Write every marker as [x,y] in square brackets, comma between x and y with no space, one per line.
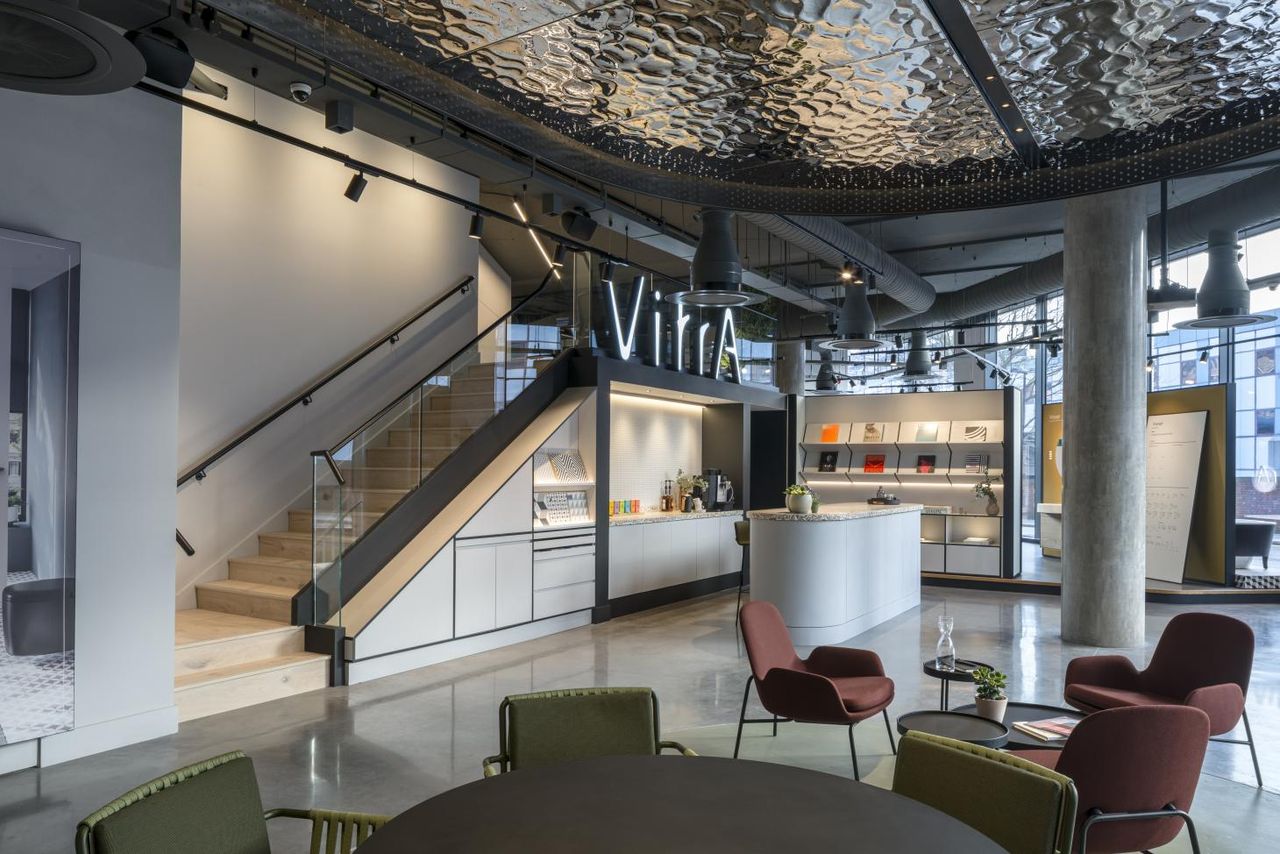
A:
[1097,816]
[1248,740]
[775,720]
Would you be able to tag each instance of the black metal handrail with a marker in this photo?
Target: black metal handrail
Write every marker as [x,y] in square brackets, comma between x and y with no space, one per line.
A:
[464,348]
[200,469]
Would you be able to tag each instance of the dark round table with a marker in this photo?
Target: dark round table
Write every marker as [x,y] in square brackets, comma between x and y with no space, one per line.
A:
[971,728]
[1016,712]
[963,672]
[673,804]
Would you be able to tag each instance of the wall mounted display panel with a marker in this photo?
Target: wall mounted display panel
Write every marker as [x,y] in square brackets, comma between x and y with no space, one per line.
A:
[1174,445]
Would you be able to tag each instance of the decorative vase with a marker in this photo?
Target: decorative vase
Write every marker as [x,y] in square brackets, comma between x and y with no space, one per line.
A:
[802,504]
[992,709]
[993,509]
[945,654]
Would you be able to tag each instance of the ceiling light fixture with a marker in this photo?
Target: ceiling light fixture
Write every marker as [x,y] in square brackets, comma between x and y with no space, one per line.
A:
[562,253]
[893,358]
[533,235]
[716,271]
[1204,357]
[846,272]
[1151,364]
[937,356]
[918,364]
[607,271]
[856,328]
[476,231]
[355,188]
[1223,298]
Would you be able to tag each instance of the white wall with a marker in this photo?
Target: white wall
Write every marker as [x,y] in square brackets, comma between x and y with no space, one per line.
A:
[649,440]
[282,279]
[104,171]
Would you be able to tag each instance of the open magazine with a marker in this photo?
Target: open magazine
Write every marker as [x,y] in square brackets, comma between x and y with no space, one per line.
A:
[1049,729]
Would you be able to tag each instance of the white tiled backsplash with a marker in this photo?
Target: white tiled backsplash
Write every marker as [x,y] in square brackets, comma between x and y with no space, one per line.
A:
[649,440]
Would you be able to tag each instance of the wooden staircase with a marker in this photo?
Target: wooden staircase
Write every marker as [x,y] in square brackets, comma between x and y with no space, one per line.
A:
[237,647]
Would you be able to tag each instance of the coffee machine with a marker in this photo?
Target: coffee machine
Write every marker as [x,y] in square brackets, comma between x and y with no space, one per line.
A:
[719,492]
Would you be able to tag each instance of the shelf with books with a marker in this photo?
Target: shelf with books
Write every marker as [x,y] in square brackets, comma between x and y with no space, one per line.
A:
[816,476]
[876,433]
[976,433]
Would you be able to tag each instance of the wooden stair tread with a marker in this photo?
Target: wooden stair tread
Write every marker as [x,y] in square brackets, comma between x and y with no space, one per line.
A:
[286,535]
[266,665]
[196,626]
[249,588]
[274,560]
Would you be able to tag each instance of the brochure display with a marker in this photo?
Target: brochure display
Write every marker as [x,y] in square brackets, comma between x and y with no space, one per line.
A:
[1174,445]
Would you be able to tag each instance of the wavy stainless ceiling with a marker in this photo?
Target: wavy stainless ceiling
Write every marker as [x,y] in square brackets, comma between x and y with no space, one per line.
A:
[863,100]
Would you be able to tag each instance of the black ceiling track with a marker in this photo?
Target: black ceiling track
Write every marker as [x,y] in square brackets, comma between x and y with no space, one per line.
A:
[972,53]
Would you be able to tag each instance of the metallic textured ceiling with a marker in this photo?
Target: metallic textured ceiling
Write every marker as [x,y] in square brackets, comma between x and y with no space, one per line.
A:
[866,100]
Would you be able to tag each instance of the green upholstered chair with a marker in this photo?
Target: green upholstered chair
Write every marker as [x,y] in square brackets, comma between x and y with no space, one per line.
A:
[211,807]
[547,727]
[1011,800]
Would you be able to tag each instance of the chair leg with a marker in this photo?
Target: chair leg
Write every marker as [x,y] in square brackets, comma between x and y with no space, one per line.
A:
[742,717]
[1253,751]
[853,751]
[1191,833]
[889,729]
[775,726]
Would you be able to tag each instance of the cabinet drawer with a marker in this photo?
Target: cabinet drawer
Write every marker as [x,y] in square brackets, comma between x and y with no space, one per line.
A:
[557,570]
[932,557]
[562,600]
[973,560]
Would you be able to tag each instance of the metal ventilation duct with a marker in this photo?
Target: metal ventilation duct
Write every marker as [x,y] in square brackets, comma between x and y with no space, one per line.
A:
[1189,225]
[836,243]
[716,272]
[1223,298]
[918,364]
[856,328]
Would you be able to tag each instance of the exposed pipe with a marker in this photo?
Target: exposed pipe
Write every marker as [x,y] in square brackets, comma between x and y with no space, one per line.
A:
[1188,226]
[836,243]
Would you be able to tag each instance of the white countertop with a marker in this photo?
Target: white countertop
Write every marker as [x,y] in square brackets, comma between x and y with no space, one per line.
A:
[657,516]
[836,512]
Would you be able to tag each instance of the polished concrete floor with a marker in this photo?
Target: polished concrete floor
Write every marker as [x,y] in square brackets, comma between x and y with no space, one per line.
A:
[386,745]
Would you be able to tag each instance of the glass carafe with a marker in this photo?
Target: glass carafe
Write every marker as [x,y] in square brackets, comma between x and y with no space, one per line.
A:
[945,657]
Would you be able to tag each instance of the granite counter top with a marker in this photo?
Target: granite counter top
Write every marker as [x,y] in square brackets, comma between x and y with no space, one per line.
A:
[836,512]
[651,518]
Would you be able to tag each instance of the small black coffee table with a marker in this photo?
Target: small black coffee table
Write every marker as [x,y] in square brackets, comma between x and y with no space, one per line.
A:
[963,672]
[962,727]
[1016,712]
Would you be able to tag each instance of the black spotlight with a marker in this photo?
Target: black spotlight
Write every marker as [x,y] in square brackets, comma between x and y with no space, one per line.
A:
[355,189]
[562,252]
[846,272]
[1151,364]
[1204,357]
[893,358]
[937,356]
[476,231]
[992,374]
[578,224]
[607,272]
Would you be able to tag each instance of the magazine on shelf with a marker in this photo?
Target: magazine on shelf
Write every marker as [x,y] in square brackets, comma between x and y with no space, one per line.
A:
[873,464]
[925,463]
[872,432]
[1049,729]
[975,463]
[827,460]
[829,434]
[927,432]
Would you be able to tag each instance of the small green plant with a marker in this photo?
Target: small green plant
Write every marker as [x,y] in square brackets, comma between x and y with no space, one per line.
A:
[15,500]
[983,489]
[990,683]
[797,489]
[687,482]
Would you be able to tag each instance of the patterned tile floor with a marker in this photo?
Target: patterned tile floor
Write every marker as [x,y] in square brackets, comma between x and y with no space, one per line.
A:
[36,691]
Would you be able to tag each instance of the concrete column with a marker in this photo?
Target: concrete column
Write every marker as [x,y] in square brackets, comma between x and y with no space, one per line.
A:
[789,367]
[1105,413]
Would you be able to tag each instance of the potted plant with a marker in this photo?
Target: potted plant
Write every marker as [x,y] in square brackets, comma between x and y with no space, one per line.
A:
[799,498]
[984,489]
[691,486]
[991,700]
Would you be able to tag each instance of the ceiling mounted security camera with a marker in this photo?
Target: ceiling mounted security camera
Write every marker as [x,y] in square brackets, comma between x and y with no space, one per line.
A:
[300,91]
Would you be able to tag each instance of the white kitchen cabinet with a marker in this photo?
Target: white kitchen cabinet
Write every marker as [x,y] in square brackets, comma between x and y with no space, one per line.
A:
[514,594]
[626,559]
[494,586]
[509,511]
[422,613]
[709,547]
[730,551]
[655,556]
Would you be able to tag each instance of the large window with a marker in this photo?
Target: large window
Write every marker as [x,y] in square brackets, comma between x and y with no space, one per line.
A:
[1020,325]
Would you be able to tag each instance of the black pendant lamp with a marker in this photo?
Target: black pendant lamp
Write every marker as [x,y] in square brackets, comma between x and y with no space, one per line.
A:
[716,272]
[856,329]
[1223,298]
[918,364]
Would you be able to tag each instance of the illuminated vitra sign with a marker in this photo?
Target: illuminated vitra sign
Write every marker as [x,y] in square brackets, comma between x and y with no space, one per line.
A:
[624,334]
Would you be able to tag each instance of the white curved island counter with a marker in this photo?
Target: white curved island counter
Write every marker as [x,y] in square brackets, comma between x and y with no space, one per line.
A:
[838,572]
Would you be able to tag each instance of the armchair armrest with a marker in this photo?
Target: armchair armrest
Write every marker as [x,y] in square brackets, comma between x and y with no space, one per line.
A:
[332,830]
[675,745]
[495,765]
[1224,704]
[1108,671]
[837,661]
[801,696]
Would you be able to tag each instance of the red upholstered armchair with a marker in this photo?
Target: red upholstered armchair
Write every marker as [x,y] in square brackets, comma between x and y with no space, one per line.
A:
[1135,771]
[1202,660]
[834,685]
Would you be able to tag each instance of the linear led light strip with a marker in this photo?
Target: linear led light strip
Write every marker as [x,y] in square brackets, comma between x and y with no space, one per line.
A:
[515,201]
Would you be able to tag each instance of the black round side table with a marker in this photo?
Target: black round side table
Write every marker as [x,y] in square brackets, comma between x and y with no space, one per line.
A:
[983,732]
[963,672]
[1023,712]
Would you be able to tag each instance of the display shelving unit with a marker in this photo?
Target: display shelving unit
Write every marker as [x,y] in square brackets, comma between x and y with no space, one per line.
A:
[957,537]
